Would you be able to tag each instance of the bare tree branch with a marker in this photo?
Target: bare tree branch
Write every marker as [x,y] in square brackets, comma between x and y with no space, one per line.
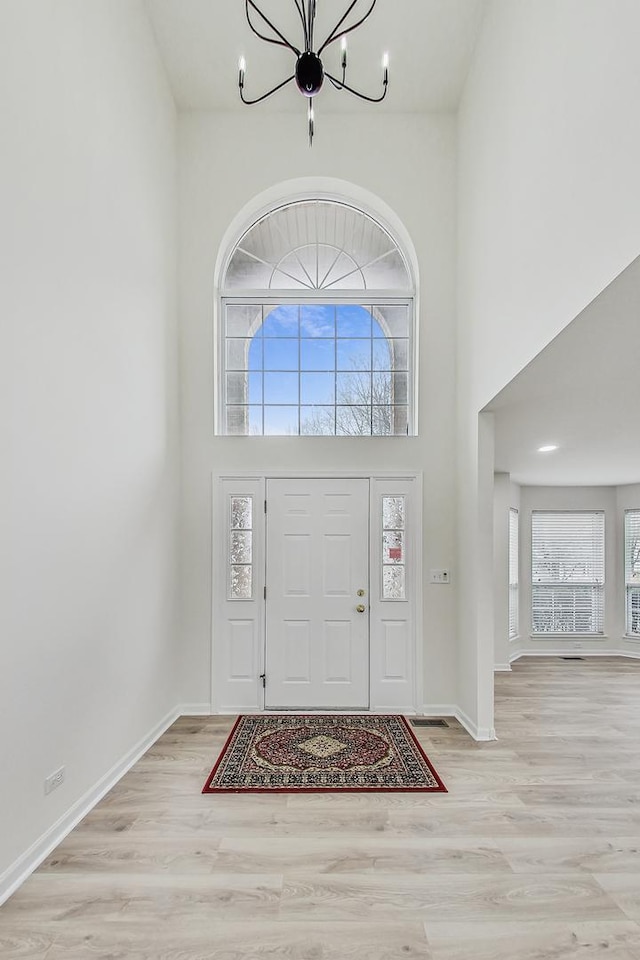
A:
[364,406]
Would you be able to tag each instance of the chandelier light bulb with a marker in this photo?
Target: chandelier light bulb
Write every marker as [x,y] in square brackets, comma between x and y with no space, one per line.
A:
[310,122]
[385,68]
[343,48]
[242,66]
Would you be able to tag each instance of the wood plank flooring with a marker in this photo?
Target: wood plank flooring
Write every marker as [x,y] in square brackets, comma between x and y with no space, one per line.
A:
[534,853]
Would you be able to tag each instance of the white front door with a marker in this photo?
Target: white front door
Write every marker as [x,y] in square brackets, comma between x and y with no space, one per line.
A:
[317,587]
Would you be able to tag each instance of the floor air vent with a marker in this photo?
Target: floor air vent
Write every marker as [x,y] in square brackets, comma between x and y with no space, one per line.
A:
[571,658]
[428,722]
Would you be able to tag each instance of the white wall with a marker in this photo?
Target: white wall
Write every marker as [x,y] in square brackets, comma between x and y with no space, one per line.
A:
[549,158]
[549,213]
[409,163]
[89,401]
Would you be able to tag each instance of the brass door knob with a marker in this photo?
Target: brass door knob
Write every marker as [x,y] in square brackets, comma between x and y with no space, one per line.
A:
[360,608]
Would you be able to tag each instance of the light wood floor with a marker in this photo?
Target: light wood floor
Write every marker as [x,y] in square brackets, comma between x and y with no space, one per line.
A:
[534,853]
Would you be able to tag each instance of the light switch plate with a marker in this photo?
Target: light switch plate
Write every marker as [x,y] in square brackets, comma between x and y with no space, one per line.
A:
[439,576]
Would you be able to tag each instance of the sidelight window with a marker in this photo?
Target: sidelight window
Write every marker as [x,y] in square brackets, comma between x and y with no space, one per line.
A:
[240,574]
[393,548]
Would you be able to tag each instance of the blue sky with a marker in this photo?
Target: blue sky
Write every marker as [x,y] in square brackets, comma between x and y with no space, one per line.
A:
[326,344]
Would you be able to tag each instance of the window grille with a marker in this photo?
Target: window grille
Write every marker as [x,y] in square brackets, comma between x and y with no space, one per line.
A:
[240,579]
[316,333]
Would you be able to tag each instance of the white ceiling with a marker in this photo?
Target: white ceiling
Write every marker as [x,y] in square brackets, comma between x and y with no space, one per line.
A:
[430,44]
[581,392]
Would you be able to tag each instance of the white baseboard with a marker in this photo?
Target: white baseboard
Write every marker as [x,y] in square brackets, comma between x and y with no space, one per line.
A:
[453,710]
[230,711]
[439,710]
[194,710]
[18,872]
[409,711]
[579,652]
[406,711]
[502,667]
[478,733]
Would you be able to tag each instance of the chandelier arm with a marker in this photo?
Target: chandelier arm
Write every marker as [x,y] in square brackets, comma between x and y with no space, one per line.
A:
[282,42]
[300,8]
[338,24]
[362,96]
[334,35]
[267,94]
[279,43]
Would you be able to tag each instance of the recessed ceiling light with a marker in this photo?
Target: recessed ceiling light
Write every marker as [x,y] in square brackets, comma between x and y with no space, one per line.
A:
[548,448]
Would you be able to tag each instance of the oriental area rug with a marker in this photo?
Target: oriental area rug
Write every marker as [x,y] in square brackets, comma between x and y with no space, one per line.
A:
[284,753]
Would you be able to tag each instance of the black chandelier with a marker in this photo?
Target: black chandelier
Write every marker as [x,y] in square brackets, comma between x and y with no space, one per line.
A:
[309,71]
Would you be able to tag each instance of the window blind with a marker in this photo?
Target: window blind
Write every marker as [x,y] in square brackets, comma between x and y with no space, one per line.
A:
[632,571]
[567,572]
[513,573]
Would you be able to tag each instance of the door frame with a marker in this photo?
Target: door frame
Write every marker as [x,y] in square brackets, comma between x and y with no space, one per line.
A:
[249,697]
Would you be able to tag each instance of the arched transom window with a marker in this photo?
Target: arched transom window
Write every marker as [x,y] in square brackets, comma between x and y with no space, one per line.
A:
[317,311]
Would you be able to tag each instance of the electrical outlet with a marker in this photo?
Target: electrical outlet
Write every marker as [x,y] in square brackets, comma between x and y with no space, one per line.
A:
[54,780]
[439,576]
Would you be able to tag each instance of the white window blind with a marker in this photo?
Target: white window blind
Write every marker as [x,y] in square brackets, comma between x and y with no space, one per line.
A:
[632,571]
[567,572]
[513,573]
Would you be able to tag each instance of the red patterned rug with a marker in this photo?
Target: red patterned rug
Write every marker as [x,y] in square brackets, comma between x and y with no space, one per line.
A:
[284,753]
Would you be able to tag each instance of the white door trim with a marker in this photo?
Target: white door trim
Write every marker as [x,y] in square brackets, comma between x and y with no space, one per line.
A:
[247,696]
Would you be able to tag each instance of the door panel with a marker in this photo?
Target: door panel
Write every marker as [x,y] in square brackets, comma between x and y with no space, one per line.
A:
[241,643]
[297,651]
[296,563]
[317,643]
[336,565]
[337,651]
[395,650]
